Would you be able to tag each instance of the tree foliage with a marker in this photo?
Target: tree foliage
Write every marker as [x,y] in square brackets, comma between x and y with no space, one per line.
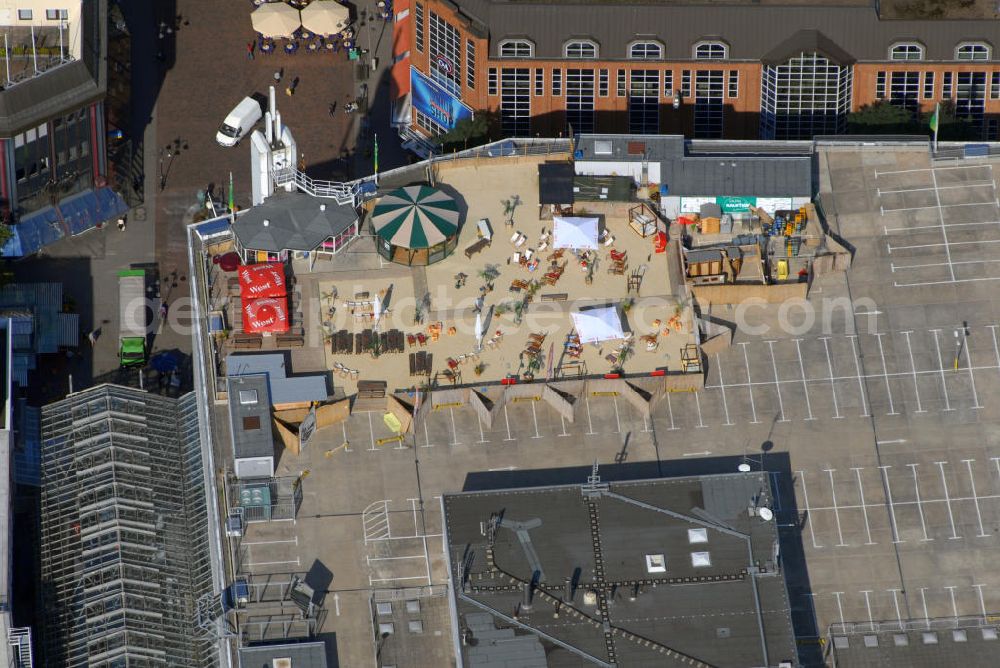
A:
[467,132]
[883,117]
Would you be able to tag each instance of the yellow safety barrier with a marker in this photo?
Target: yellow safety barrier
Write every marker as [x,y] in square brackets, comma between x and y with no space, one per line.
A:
[454,404]
[604,394]
[389,439]
[517,399]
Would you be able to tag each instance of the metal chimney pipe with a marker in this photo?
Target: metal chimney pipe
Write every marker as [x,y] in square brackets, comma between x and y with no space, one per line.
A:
[268,128]
[526,597]
[271,102]
[277,126]
[568,589]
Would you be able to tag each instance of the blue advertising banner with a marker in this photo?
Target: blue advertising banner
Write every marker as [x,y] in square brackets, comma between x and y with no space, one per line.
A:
[433,101]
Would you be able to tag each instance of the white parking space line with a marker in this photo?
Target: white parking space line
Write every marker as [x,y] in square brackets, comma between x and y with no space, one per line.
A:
[996,349]
[697,402]
[722,386]
[805,499]
[805,386]
[482,436]
[928,169]
[372,580]
[670,411]
[562,420]
[534,418]
[895,601]
[892,508]
[941,206]
[972,377]
[371,432]
[920,508]
[944,230]
[864,506]
[590,421]
[618,422]
[947,500]
[885,375]
[836,510]
[944,385]
[506,420]
[975,497]
[857,369]
[941,244]
[833,386]
[982,601]
[272,563]
[954,604]
[913,368]
[950,264]
[840,607]
[407,556]
[454,431]
[915,228]
[777,387]
[923,597]
[753,407]
[293,541]
[960,280]
[427,436]
[868,605]
[982,184]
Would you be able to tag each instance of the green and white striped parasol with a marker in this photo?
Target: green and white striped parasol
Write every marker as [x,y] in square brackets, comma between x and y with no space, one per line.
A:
[415,217]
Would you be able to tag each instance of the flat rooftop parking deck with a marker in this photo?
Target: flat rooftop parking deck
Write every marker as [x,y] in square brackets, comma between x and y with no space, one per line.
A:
[877,421]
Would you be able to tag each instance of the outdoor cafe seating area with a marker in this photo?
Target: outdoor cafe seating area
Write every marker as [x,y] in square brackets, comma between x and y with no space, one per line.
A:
[306,26]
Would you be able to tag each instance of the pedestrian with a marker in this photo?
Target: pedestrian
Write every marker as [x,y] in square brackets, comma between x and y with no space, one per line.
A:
[92,336]
[121,224]
[289,91]
[163,310]
[250,46]
[277,76]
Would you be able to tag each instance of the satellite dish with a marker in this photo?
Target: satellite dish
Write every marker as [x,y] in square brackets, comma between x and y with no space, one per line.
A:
[743,468]
[765,514]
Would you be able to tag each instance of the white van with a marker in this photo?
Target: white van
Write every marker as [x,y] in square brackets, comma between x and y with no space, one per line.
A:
[239,122]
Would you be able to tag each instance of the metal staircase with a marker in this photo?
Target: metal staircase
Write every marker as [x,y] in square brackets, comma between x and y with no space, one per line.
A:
[343,193]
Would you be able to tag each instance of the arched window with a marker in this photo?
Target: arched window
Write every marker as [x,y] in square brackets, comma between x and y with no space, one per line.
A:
[516,48]
[645,51]
[972,51]
[906,51]
[711,51]
[580,48]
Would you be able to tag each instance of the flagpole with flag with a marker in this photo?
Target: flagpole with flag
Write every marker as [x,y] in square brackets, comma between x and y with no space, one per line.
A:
[375,157]
[935,122]
[232,199]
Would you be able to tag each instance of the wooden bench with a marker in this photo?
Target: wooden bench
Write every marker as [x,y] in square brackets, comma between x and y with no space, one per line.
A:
[476,248]
[246,342]
[555,297]
[371,389]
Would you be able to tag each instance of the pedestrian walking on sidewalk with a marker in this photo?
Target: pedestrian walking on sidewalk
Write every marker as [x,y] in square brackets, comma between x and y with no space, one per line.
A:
[250,46]
[121,224]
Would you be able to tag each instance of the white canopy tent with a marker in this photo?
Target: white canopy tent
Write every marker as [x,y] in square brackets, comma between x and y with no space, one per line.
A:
[598,323]
[574,232]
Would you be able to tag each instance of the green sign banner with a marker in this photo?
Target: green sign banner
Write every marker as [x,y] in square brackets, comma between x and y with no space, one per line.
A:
[735,204]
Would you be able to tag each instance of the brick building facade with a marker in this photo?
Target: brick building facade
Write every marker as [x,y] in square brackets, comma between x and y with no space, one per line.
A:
[709,71]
